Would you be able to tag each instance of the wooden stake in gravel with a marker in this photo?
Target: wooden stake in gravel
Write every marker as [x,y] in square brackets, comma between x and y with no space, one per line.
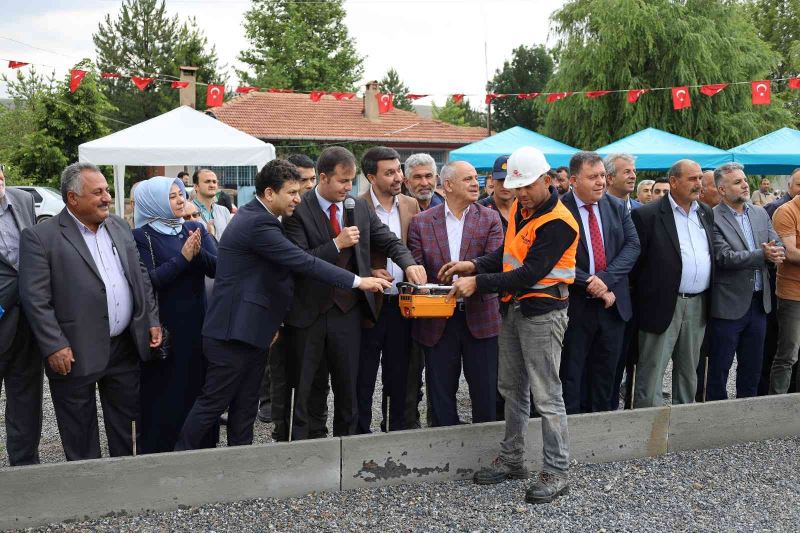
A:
[291,417]
[633,385]
[133,436]
[705,381]
[388,411]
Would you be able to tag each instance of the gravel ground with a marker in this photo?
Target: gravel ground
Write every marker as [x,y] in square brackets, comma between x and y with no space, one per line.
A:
[749,487]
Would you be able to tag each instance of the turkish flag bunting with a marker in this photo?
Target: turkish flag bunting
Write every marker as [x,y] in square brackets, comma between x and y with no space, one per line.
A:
[75,79]
[343,96]
[681,98]
[16,64]
[385,102]
[554,97]
[762,93]
[179,84]
[316,95]
[634,94]
[712,89]
[490,97]
[527,96]
[106,75]
[596,94]
[245,90]
[141,83]
[794,83]
[214,95]
[457,98]
[415,96]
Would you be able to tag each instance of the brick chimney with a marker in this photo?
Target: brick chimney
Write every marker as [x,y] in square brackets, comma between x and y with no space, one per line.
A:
[188,95]
[370,102]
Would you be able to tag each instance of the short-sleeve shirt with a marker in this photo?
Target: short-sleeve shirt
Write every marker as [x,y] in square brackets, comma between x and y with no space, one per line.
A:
[787,224]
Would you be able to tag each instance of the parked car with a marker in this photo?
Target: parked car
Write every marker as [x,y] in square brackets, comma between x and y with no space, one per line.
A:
[47,201]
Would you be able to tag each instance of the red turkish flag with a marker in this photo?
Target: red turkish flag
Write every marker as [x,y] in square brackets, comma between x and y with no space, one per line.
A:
[527,96]
[16,64]
[385,102]
[762,92]
[554,97]
[107,75]
[457,98]
[141,82]
[316,95]
[75,79]
[634,94]
[179,84]
[245,90]
[214,95]
[343,96]
[596,94]
[489,98]
[681,98]
[712,89]
[794,83]
[412,96]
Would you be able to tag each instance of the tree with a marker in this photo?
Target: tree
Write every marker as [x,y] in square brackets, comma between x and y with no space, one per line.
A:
[458,113]
[144,41]
[621,44]
[528,71]
[300,45]
[392,84]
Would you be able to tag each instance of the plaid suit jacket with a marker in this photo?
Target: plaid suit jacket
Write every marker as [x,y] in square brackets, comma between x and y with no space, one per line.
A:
[427,240]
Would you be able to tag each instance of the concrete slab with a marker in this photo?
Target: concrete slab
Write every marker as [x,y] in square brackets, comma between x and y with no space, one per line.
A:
[619,436]
[42,494]
[719,424]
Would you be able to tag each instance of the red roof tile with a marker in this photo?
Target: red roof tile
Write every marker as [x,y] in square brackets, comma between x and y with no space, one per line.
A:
[277,116]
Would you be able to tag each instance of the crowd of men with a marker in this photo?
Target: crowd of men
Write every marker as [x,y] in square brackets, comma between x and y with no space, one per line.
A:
[570,294]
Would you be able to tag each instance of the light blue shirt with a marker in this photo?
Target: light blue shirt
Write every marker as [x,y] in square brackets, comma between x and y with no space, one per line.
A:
[9,232]
[747,230]
[119,298]
[585,222]
[695,255]
[326,206]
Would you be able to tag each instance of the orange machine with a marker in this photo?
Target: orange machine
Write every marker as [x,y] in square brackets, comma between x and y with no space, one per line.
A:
[426,301]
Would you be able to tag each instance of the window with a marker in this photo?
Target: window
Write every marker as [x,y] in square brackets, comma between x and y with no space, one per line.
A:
[37,198]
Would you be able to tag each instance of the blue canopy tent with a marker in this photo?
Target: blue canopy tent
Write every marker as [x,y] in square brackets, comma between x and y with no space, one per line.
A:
[774,153]
[482,154]
[655,149]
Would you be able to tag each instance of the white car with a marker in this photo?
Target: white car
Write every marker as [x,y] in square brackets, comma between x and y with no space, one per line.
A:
[47,201]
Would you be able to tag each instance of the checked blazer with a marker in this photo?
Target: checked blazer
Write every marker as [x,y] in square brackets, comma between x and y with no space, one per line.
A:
[427,240]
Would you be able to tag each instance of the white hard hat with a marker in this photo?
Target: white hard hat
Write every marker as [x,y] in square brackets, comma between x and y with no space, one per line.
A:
[525,166]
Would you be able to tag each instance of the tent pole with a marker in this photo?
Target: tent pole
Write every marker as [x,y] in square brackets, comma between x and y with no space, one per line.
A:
[119,190]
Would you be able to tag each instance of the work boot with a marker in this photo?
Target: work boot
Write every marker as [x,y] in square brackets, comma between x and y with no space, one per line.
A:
[499,471]
[547,488]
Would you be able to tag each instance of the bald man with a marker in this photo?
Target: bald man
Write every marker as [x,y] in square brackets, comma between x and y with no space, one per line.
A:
[709,194]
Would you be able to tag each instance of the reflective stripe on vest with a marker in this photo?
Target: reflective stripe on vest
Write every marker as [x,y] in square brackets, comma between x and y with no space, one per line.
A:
[517,244]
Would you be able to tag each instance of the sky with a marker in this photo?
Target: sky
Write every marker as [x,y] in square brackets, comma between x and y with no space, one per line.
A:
[438,47]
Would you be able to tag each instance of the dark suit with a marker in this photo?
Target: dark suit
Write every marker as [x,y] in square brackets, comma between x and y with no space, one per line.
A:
[656,281]
[20,364]
[253,290]
[325,324]
[64,296]
[593,340]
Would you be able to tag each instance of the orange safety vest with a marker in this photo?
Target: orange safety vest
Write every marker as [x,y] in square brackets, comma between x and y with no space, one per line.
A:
[516,247]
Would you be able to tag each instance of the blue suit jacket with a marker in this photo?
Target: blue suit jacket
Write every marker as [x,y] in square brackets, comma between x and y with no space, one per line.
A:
[635,204]
[622,249]
[253,287]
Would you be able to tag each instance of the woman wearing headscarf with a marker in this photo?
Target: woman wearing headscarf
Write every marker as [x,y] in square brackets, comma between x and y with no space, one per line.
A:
[178,255]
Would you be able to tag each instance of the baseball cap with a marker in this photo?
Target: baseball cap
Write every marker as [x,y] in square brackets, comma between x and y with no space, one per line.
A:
[499,170]
[525,166]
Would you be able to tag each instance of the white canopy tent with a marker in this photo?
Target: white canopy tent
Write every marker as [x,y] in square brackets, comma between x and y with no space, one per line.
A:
[182,136]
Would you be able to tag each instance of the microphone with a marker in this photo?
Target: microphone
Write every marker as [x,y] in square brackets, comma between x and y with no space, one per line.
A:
[350,211]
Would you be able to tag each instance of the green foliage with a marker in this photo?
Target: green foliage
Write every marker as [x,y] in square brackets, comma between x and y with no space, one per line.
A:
[144,41]
[459,114]
[300,45]
[391,83]
[528,71]
[619,44]
[38,158]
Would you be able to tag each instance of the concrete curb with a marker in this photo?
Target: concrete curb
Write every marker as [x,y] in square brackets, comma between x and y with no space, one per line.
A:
[42,494]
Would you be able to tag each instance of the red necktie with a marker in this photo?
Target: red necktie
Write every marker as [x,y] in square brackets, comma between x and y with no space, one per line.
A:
[597,241]
[335,221]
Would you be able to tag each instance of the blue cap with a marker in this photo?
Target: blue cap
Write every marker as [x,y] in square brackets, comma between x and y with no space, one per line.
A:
[499,170]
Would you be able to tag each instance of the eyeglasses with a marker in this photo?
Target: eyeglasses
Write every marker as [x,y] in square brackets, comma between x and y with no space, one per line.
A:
[192,216]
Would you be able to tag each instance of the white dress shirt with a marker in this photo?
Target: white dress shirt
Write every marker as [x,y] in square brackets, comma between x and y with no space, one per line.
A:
[455,232]
[585,222]
[392,220]
[695,255]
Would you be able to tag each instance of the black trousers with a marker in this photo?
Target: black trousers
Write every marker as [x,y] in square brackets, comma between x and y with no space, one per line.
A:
[770,347]
[333,339]
[233,377]
[387,344]
[21,370]
[416,367]
[76,407]
[443,363]
[592,348]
